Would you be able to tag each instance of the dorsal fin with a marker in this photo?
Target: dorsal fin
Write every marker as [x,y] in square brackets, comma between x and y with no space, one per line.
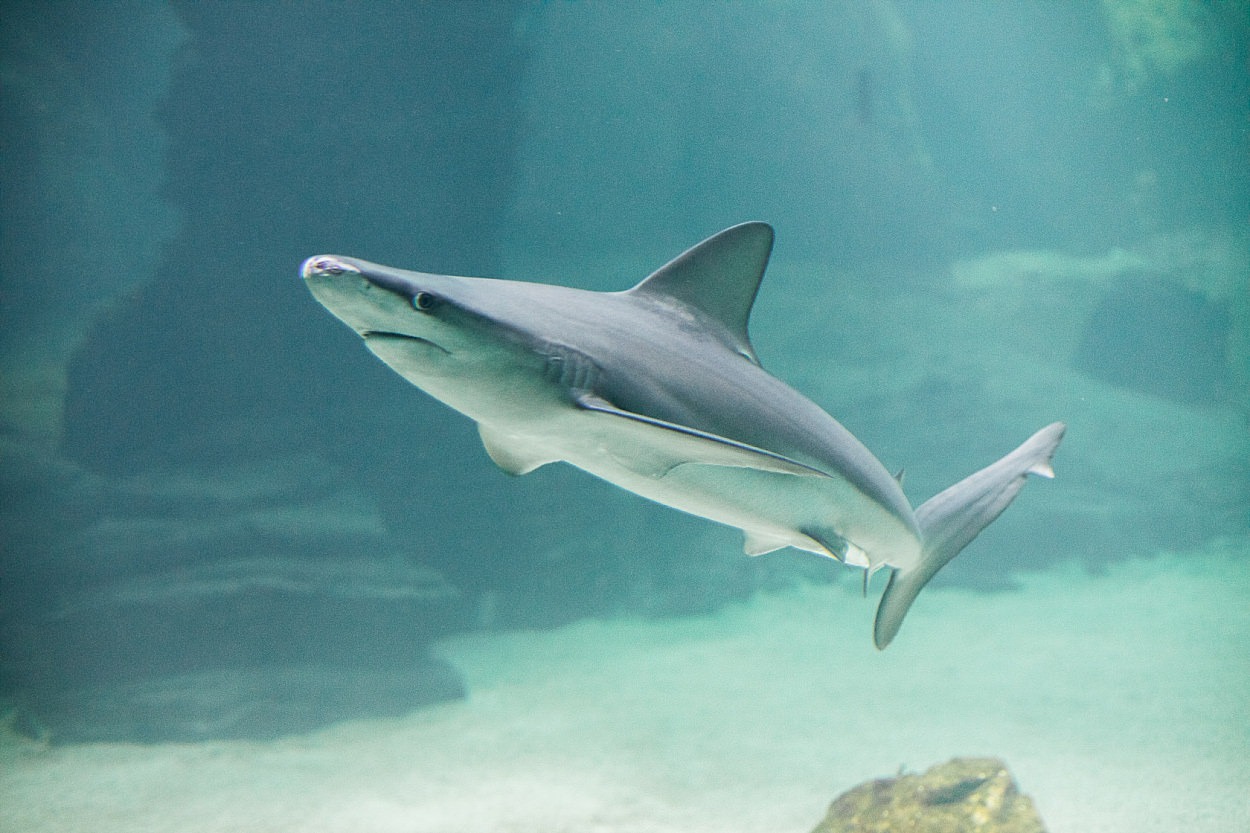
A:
[718,277]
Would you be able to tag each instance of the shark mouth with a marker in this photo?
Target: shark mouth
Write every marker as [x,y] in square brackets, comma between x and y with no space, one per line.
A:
[388,335]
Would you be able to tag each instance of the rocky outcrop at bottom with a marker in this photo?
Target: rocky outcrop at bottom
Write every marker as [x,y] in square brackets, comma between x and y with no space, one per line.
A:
[960,795]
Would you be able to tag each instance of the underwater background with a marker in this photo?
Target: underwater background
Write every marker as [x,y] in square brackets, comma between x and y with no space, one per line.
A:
[250,579]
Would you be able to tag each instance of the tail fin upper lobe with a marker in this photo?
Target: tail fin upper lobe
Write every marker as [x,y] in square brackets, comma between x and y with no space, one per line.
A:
[949,520]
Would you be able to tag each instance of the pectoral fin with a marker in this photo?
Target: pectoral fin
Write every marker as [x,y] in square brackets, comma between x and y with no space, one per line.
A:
[511,453]
[670,445]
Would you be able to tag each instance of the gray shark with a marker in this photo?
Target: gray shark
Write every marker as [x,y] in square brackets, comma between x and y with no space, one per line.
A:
[658,390]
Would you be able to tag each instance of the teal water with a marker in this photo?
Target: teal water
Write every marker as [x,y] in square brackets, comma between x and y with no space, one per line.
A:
[250,579]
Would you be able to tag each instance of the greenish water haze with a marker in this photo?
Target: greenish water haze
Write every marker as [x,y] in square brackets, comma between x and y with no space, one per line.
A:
[222,521]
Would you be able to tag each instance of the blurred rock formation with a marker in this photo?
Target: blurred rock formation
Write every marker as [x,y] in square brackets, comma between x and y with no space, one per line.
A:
[161,607]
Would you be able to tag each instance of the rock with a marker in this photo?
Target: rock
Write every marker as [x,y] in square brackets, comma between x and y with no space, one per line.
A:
[960,795]
[190,491]
[250,611]
[840,100]
[121,544]
[1160,338]
[62,527]
[236,703]
[237,601]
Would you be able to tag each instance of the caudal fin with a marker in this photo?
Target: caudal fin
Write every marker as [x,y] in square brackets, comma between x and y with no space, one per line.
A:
[949,520]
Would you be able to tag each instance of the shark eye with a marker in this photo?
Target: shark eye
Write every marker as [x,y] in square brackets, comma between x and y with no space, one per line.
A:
[423,302]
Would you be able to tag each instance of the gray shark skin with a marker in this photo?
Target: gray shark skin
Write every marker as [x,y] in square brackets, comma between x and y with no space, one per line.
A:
[657,390]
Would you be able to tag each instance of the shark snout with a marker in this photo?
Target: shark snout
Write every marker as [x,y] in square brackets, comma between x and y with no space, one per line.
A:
[373,301]
[325,266]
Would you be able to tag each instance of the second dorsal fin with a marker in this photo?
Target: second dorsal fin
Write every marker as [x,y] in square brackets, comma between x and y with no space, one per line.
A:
[719,277]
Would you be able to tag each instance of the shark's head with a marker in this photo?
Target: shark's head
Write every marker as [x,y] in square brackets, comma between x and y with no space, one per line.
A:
[440,332]
[386,305]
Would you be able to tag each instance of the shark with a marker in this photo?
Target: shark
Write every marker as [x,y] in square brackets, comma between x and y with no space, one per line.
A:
[658,390]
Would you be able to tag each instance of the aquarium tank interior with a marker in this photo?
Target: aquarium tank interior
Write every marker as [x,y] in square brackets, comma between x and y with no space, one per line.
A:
[252,578]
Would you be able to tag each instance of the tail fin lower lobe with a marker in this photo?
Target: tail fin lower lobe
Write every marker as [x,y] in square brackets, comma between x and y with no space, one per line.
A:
[949,520]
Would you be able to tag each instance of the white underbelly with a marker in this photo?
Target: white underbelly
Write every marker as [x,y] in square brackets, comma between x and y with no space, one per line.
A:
[765,505]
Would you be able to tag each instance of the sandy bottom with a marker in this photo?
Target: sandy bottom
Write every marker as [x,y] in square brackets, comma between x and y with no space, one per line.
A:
[1121,703]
